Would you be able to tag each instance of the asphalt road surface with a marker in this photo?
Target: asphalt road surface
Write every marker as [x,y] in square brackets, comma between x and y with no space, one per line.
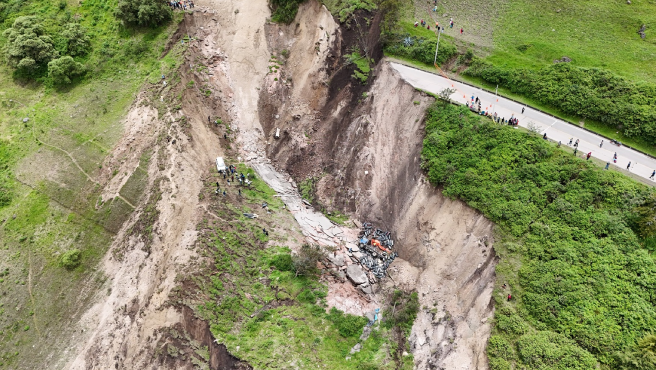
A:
[556,130]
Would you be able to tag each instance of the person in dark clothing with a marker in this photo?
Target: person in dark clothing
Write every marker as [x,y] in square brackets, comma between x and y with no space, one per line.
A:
[576,150]
[652,175]
[570,140]
[523,109]
[607,164]
[588,156]
[209,120]
[265,232]
[628,166]
[509,297]
[544,136]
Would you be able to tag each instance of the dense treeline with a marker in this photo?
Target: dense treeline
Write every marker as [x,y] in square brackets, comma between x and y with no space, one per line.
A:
[586,92]
[585,290]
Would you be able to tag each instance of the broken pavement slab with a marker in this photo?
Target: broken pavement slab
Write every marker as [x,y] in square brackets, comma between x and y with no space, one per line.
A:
[356,274]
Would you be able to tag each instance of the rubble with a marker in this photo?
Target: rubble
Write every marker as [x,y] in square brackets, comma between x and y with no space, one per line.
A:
[374,250]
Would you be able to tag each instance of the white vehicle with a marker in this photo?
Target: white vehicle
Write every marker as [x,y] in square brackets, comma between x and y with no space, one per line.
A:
[220,164]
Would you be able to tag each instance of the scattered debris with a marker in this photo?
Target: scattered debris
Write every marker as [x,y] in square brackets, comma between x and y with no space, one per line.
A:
[641,31]
[374,250]
[562,60]
[250,215]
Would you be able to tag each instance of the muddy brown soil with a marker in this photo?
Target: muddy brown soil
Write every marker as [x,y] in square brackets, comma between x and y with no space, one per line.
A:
[363,144]
[361,141]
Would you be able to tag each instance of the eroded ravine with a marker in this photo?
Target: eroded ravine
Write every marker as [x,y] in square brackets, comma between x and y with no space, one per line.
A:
[363,140]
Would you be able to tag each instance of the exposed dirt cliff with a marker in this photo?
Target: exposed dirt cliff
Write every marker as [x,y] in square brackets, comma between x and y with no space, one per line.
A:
[360,141]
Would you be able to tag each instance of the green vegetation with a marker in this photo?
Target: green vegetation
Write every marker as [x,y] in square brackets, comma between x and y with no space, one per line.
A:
[144,13]
[268,306]
[402,311]
[307,188]
[596,34]
[284,11]
[61,70]
[53,233]
[588,93]
[419,44]
[581,276]
[71,259]
[343,9]
[362,65]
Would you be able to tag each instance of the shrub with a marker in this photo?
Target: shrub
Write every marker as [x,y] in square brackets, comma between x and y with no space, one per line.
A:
[61,70]
[282,262]
[348,325]
[285,10]
[76,40]
[403,310]
[145,13]
[421,49]
[71,259]
[28,48]
[305,263]
[549,350]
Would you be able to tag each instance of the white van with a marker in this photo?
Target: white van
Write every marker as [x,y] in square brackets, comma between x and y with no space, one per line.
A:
[220,164]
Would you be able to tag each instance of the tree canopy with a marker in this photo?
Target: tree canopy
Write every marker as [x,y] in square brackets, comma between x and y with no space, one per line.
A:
[28,47]
[145,13]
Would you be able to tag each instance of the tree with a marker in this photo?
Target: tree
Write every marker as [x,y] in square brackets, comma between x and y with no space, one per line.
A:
[28,47]
[77,41]
[305,263]
[61,70]
[148,13]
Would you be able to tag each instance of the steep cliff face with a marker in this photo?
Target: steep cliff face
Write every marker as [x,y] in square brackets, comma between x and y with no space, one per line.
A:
[359,141]
[361,145]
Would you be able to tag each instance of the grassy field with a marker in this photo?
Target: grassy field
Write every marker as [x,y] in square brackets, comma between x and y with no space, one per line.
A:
[592,33]
[50,163]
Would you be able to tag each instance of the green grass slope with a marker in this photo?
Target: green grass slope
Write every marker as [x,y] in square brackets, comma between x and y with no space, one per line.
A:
[47,201]
[582,280]
[594,33]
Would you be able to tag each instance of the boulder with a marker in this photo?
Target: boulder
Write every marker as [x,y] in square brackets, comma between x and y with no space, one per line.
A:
[336,260]
[356,274]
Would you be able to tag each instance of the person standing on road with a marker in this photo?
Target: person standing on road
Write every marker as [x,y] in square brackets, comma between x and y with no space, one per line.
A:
[523,109]
[601,144]
[575,150]
[570,140]
[607,164]
[588,156]
[628,166]
[652,175]
[576,144]
[544,136]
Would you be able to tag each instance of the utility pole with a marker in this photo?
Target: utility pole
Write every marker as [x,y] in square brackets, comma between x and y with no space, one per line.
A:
[437,46]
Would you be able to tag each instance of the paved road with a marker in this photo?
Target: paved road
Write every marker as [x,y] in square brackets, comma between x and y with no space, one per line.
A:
[556,129]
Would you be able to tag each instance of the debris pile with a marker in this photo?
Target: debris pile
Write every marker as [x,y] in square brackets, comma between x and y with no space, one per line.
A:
[374,250]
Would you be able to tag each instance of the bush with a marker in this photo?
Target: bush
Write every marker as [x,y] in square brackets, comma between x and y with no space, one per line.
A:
[285,10]
[76,40]
[144,13]
[585,92]
[402,311]
[305,263]
[348,325]
[28,48]
[421,49]
[71,259]
[61,70]
[549,350]
[282,262]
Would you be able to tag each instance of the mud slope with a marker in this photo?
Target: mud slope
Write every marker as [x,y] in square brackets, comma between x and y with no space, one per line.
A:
[362,143]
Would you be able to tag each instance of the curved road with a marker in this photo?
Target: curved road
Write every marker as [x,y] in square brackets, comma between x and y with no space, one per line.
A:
[557,130]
